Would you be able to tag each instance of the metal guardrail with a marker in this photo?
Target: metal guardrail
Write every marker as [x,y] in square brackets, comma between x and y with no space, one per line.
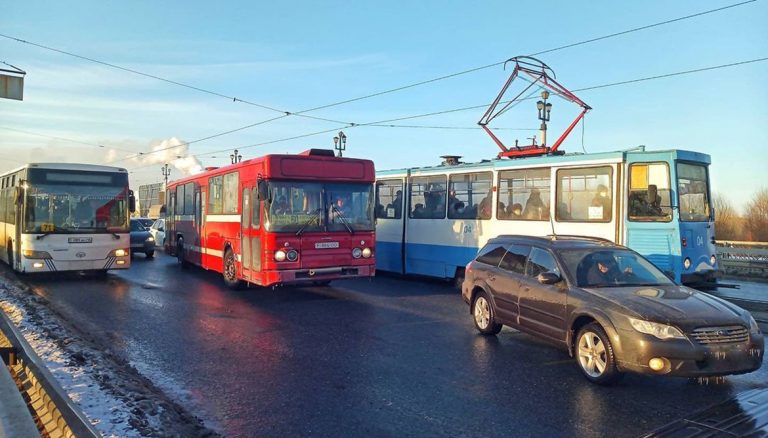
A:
[748,259]
[53,412]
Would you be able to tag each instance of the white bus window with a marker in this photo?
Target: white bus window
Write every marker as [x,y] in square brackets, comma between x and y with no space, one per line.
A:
[470,196]
[230,191]
[649,192]
[389,199]
[526,194]
[584,195]
[428,197]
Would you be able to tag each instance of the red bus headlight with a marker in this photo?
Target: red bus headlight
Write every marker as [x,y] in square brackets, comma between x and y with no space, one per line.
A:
[367,253]
[280,255]
[292,255]
[357,252]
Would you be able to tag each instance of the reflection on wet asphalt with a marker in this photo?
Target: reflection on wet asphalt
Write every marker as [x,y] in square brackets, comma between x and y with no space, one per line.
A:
[390,356]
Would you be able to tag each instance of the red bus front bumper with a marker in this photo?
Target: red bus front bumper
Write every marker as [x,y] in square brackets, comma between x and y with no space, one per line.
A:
[317,274]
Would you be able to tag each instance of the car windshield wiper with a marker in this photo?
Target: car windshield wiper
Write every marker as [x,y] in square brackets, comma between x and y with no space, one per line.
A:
[343,220]
[315,217]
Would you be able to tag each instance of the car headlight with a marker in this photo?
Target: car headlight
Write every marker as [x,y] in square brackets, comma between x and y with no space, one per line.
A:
[661,331]
[280,255]
[150,239]
[32,254]
[712,260]
[357,252]
[753,327]
[292,255]
[367,253]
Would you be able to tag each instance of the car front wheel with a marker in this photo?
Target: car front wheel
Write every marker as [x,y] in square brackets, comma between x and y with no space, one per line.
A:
[595,356]
[483,315]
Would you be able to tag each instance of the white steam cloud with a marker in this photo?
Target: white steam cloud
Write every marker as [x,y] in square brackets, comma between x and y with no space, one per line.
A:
[174,152]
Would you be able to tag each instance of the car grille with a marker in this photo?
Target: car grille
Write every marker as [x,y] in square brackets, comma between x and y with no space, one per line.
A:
[732,334]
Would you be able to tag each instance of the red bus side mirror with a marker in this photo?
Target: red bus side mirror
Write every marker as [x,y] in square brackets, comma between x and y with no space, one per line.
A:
[263,191]
[131,201]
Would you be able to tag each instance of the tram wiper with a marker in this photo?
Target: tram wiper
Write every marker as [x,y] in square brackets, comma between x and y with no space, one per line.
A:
[315,217]
[343,219]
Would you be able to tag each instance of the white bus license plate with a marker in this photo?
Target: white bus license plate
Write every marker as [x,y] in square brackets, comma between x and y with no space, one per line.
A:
[320,245]
[81,240]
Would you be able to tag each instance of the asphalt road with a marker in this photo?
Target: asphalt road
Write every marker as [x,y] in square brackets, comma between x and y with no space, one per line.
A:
[388,357]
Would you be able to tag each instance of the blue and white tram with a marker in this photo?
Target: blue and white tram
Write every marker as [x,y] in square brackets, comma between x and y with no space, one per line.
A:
[432,220]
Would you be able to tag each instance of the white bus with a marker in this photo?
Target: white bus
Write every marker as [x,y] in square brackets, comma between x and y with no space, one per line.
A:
[65,217]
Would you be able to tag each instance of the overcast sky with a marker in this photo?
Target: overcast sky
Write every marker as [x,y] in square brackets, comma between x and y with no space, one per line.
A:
[292,56]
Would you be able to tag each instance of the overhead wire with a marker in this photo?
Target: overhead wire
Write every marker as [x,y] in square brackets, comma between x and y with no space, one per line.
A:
[68,139]
[368,96]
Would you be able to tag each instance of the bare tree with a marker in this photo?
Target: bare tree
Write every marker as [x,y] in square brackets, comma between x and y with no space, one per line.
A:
[727,226]
[756,216]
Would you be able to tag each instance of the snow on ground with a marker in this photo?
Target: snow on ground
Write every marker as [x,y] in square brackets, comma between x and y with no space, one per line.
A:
[112,394]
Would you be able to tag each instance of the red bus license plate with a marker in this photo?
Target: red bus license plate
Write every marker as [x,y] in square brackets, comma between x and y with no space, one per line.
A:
[320,245]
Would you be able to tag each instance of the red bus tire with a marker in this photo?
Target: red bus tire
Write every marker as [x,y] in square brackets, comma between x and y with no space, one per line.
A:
[229,272]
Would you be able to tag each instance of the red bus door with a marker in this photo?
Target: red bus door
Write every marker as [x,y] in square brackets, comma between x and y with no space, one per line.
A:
[245,234]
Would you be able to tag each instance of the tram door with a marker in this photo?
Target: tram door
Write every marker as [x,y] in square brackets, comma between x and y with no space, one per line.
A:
[650,229]
[390,225]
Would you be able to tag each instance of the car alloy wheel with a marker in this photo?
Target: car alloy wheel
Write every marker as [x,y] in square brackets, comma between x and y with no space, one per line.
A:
[482,313]
[594,355]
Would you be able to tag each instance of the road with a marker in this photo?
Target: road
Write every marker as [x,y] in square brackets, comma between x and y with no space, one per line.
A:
[388,357]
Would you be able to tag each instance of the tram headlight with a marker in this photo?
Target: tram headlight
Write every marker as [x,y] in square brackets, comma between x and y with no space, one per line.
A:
[712,260]
[687,263]
[32,254]
[280,255]
[120,252]
[292,255]
[367,253]
[357,253]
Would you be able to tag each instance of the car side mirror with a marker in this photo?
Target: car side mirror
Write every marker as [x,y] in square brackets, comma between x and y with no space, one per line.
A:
[548,278]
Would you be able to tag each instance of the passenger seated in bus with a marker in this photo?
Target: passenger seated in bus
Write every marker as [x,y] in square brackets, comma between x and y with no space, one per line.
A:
[603,200]
[534,206]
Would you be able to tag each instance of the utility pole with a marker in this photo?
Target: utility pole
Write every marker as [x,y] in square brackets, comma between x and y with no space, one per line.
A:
[340,142]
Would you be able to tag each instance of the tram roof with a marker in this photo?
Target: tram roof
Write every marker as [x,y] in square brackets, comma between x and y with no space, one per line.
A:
[564,159]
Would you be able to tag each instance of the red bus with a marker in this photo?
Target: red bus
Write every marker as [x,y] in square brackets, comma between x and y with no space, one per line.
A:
[276,219]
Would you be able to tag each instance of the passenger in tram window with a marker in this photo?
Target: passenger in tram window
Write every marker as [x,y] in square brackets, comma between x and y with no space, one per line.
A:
[516,211]
[397,204]
[503,214]
[603,200]
[484,209]
[562,211]
[534,206]
[419,211]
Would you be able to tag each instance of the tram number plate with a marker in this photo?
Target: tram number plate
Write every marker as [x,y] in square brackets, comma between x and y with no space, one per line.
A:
[80,239]
[320,245]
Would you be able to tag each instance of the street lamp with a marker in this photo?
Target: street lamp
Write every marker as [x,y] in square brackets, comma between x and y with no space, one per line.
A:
[544,109]
[340,142]
[166,169]
[235,157]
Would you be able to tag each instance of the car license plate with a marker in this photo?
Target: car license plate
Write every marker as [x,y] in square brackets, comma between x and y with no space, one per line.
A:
[320,245]
[80,239]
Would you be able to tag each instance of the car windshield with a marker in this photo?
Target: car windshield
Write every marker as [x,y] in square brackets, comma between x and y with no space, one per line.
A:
[296,206]
[137,226]
[611,267]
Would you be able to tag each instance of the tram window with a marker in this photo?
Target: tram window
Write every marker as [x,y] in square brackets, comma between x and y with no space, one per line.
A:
[470,196]
[693,190]
[524,194]
[189,199]
[584,195]
[428,197]
[215,200]
[649,192]
[389,199]
[229,204]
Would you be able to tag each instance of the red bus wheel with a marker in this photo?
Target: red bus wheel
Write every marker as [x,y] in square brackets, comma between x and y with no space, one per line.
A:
[230,271]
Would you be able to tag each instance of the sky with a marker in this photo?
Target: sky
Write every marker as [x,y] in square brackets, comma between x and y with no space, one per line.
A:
[294,56]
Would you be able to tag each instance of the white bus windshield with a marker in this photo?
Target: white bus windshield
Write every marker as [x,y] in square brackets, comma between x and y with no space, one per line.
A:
[75,202]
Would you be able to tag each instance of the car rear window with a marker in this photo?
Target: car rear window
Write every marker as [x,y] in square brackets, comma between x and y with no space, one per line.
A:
[491,254]
[514,259]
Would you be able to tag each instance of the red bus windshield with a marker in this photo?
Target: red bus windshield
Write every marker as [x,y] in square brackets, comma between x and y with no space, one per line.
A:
[307,207]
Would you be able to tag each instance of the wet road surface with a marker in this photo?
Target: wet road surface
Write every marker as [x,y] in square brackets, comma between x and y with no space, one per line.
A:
[385,357]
